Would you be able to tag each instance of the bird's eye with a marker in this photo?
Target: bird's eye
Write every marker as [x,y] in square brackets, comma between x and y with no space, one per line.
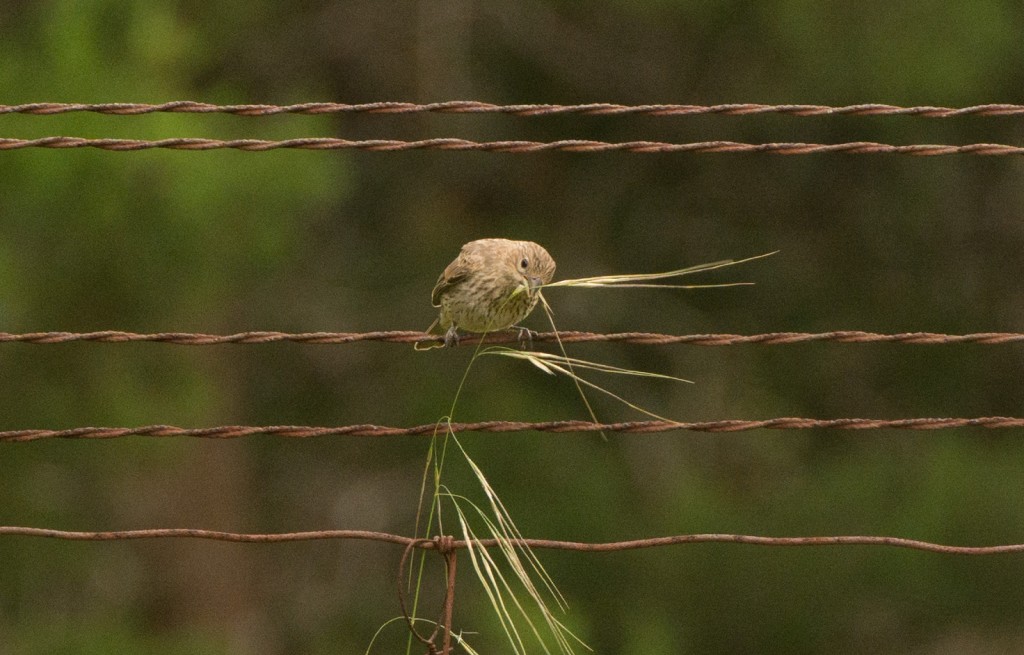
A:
[523,263]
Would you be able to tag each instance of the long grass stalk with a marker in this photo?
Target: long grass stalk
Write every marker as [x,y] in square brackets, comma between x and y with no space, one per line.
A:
[642,280]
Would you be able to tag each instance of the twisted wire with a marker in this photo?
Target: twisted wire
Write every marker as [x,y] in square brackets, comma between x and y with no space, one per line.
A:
[571,336]
[474,107]
[453,544]
[628,427]
[514,147]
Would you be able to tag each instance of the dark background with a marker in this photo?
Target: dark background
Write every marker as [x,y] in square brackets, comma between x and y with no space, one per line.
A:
[303,241]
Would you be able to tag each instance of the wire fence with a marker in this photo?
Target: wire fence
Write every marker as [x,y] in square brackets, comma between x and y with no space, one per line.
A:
[568,336]
[430,429]
[475,107]
[512,147]
[448,545]
[553,544]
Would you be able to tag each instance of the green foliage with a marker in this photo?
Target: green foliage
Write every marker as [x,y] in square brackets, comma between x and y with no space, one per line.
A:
[95,636]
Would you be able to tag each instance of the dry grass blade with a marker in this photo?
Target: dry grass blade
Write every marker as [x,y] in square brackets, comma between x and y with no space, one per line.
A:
[548,361]
[500,592]
[487,572]
[554,364]
[513,535]
[641,280]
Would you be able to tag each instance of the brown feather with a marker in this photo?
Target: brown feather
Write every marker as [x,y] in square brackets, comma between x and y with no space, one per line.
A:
[453,274]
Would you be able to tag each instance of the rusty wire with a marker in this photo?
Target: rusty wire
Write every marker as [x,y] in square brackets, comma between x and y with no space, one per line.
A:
[627,427]
[474,107]
[612,546]
[443,544]
[515,147]
[570,336]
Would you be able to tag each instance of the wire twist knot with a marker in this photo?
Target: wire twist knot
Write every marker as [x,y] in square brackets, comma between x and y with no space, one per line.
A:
[444,544]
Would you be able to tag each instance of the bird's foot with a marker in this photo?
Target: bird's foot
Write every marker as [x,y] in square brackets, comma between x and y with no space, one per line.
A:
[525,337]
[451,337]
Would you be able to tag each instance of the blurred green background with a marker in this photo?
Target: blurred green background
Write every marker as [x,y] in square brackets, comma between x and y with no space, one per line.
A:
[305,241]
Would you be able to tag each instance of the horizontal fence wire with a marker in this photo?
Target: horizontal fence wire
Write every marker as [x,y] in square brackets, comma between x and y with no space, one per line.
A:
[629,427]
[512,147]
[475,107]
[414,337]
[450,543]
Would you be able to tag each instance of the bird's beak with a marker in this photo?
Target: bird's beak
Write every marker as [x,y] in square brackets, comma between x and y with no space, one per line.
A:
[535,282]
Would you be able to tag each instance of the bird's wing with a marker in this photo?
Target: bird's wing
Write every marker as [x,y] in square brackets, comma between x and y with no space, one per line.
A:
[455,273]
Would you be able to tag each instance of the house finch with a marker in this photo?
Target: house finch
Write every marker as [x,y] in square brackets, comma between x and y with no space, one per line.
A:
[492,285]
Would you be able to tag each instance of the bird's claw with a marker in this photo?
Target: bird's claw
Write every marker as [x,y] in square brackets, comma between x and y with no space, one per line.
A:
[451,337]
[525,337]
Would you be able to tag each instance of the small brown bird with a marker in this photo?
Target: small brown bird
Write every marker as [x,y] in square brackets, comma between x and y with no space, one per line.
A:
[492,285]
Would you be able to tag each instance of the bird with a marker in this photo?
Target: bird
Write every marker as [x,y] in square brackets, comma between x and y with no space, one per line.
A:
[492,285]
